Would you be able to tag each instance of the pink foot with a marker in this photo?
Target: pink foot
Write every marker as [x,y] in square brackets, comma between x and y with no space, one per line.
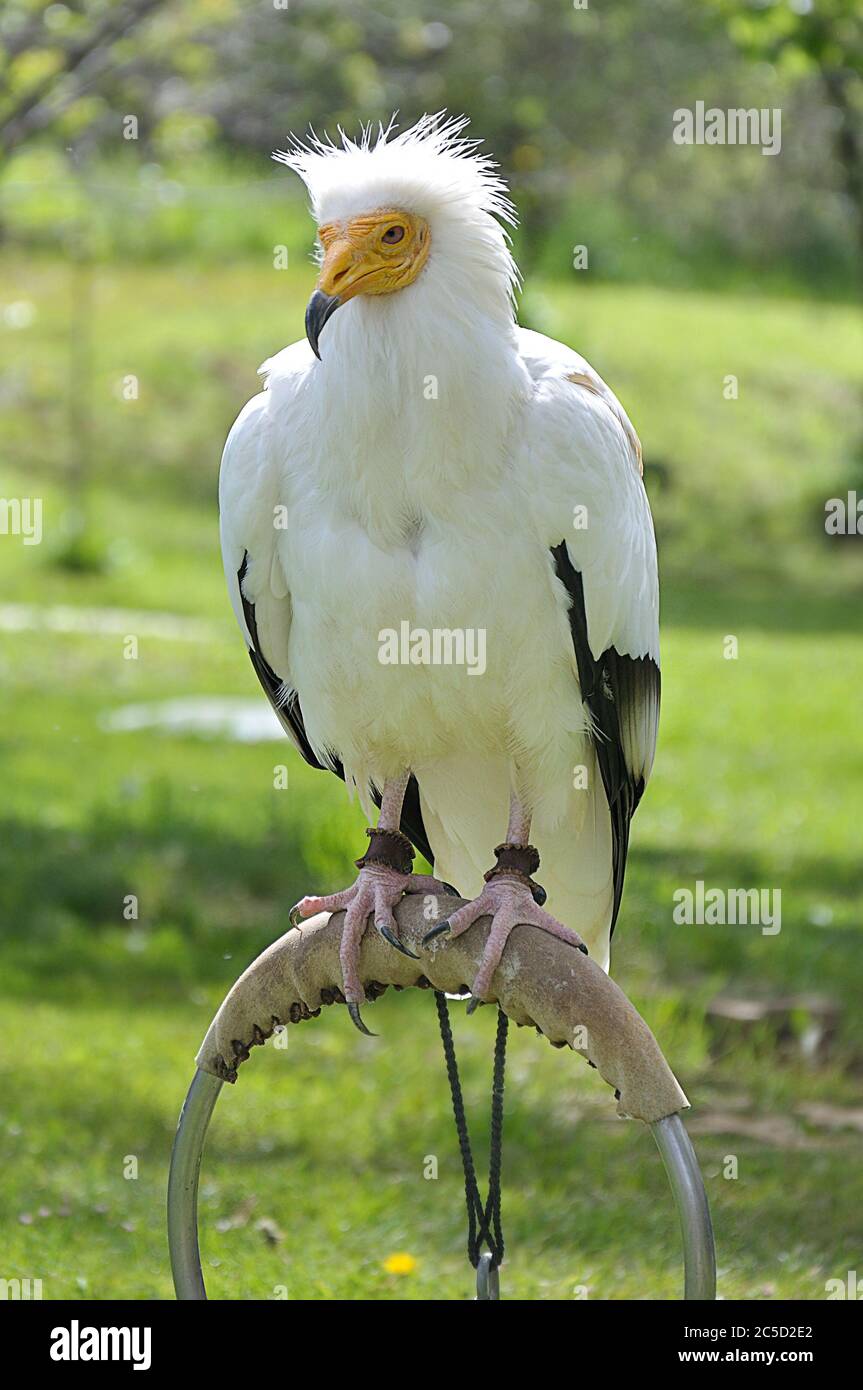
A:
[509,903]
[376,892]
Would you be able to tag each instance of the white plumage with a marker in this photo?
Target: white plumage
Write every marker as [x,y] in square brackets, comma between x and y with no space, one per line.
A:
[427,470]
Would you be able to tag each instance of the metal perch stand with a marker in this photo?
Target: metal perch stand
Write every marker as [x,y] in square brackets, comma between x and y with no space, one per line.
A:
[541,982]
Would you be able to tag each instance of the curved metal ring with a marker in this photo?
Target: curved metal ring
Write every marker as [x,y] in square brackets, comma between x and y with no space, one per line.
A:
[183,1185]
[673,1142]
[690,1198]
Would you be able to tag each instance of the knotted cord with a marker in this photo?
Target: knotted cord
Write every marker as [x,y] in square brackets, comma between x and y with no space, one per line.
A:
[484,1223]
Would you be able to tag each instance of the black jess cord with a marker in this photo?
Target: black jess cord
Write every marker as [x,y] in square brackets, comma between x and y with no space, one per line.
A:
[483,1222]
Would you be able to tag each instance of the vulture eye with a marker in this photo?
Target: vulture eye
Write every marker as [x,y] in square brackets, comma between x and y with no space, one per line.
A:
[393,235]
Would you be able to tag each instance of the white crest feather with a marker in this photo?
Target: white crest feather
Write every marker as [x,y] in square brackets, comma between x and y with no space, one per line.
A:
[427,169]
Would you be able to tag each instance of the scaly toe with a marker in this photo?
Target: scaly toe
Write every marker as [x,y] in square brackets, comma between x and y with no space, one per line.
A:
[312,904]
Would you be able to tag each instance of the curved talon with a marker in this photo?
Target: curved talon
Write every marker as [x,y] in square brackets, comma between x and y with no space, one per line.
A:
[540,896]
[453,892]
[474,1004]
[394,941]
[356,1019]
[436,931]
[294,915]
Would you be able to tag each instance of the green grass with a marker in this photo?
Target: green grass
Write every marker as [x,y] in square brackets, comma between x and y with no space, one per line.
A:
[756,784]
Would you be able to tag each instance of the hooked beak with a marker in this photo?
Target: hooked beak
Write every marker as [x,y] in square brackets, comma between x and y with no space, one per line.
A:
[320,307]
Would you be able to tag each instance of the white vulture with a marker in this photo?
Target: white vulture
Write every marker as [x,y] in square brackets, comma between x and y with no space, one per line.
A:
[441,555]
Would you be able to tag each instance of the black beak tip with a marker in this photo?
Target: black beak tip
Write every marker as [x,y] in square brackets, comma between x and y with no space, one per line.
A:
[320,308]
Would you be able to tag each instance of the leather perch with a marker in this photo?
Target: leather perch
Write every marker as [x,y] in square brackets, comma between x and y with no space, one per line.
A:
[541,982]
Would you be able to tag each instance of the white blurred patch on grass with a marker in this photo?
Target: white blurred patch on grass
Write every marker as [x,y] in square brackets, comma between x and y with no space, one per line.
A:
[241,721]
[102,622]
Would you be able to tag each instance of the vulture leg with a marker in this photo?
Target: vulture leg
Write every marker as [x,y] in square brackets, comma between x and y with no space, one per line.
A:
[510,898]
[384,876]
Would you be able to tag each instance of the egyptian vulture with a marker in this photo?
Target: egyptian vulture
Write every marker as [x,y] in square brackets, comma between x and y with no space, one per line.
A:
[441,556]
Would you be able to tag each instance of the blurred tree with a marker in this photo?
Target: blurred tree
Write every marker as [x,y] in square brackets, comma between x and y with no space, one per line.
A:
[53,54]
[79,69]
[814,36]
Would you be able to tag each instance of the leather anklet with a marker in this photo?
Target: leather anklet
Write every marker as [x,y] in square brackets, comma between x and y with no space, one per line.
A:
[390,849]
[519,862]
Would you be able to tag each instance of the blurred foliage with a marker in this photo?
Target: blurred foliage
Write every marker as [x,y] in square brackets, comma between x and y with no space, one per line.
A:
[822,37]
[576,103]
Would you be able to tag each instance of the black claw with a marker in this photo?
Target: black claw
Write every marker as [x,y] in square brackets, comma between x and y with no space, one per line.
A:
[354,1011]
[394,941]
[453,892]
[436,931]
[584,949]
[294,915]
[540,896]
[474,1004]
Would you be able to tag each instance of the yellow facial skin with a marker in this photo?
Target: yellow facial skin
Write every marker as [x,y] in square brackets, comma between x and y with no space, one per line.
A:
[377,253]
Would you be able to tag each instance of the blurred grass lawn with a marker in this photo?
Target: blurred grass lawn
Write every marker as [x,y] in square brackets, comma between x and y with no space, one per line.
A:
[756,784]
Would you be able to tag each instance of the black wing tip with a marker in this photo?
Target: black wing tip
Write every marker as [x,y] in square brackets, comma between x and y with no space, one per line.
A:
[288,710]
[604,682]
